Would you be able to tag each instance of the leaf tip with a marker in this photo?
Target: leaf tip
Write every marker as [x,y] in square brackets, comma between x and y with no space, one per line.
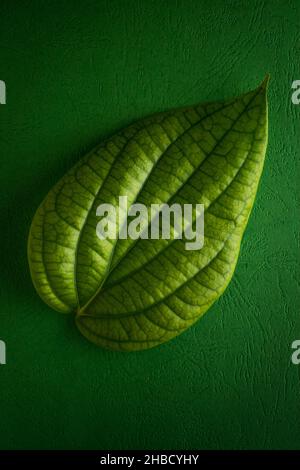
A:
[264,84]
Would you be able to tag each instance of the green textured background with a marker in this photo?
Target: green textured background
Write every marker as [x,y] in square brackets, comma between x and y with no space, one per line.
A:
[75,72]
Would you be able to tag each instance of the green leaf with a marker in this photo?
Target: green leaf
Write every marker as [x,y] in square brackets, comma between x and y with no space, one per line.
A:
[135,294]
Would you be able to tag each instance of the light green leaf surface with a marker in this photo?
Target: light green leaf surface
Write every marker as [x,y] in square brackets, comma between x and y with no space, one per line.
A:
[136,294]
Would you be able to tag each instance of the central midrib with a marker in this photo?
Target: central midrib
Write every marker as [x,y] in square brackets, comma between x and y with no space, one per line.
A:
[107,271]
[170,200]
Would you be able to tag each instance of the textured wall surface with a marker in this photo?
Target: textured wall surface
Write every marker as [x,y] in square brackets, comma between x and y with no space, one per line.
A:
[75,72]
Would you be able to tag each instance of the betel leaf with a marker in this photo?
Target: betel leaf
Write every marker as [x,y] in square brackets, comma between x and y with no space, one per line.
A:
[135,294]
